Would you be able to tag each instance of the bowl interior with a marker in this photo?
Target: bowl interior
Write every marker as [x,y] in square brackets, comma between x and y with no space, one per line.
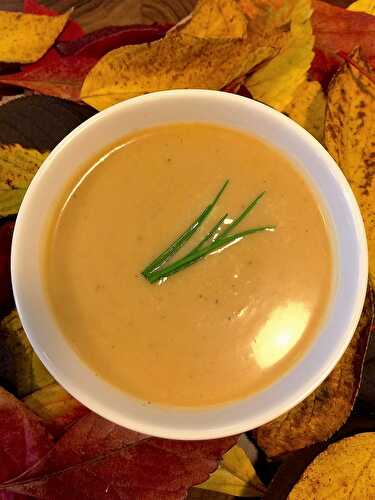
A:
[194,106]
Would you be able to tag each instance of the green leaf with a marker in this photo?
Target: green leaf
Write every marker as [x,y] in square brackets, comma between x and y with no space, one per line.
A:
[235,476]
[17,169]
[20,368]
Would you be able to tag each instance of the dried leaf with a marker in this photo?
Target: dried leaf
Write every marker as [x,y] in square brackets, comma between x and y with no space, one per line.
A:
[98,459]
[350,137]
[26,37]
[97,43]
[235,476]
[17,168]
[345,470]
[217,19]
[308,108]
[23,439]
[72,30]
[56,407]
[6,294]
[180,60]
[367,6]
[23,371]
[340,30]
[322,413]
[276,82]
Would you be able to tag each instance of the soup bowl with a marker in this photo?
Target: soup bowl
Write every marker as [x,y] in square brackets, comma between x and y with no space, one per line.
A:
[323,175]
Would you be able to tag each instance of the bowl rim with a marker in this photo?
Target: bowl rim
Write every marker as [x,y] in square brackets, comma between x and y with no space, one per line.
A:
[209,422]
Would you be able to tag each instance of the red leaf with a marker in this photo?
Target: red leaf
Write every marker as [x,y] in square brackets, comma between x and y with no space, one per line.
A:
[23,438]
[99,42]
[98,460]
[72,30]
[323,67]
[53,75]
[6,293]
[339,30]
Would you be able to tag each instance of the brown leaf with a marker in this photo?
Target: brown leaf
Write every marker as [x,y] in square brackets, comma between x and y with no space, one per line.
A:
[23,439]
[56,407]
[350,137]
[346,470]
[96,459]
[25,38]
[322,413]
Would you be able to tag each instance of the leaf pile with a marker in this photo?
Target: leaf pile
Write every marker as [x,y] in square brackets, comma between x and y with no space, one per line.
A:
[313,61]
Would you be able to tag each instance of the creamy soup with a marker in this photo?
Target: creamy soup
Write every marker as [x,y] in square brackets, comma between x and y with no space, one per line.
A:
[225,327]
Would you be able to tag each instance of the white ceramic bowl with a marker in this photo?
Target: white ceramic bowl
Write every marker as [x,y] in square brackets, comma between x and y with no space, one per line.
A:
[184,106]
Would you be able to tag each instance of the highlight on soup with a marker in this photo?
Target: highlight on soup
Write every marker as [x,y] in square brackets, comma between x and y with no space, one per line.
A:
[189,265]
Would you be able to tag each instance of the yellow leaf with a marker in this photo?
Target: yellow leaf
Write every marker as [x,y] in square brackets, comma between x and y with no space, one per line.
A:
[24,38]
[308,108]
[268,14]
[55,406]
[176,62]
[17,168]
[21,368]
[345,470]
[322,413]
[217,19]
[350,137]
[276,82]
[367,6]
[235,476]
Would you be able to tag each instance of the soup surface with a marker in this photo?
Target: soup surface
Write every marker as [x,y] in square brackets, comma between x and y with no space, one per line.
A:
[221,329]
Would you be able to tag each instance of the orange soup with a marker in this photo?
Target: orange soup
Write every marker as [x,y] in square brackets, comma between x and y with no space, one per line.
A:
[231,322]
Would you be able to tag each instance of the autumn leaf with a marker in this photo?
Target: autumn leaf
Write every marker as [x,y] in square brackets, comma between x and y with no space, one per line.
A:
[276,82]
[338,31]
[6,294]
[20,369]
[72,30]
[367,6]
[322,413]
[179,60]
[23,439]
[56,407]
[350,137]
[217,19]
[96,458]
[235,476]
[63,76]
[26,37]
[345,470]
[53,75]
[308,108]
[17,168]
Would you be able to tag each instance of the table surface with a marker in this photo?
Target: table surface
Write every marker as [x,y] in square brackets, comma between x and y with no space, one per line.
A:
[94,14]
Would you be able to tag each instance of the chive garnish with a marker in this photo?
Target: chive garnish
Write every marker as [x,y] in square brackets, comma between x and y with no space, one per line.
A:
[210,244]
[184,237]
